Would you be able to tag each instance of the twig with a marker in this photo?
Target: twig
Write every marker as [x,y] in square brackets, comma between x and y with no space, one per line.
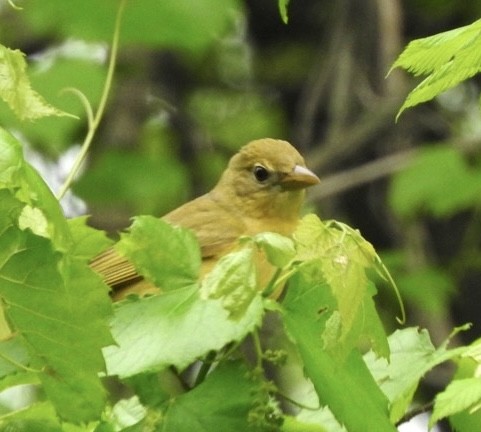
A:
[366,173]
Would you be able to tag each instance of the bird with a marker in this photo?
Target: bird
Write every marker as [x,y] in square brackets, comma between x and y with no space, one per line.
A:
[262,189]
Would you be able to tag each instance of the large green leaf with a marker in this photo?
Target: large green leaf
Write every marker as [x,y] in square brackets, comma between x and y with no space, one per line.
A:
[54,303]
[174,328]
[306,315]
[412,356]
[339,259]
[222,403]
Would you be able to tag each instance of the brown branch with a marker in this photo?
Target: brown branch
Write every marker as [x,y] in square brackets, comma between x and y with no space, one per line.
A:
[363,174]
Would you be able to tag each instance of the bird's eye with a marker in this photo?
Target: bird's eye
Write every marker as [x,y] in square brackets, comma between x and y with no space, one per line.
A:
[261,173]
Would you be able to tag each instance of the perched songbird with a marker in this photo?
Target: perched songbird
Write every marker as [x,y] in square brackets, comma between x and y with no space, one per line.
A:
[262,189]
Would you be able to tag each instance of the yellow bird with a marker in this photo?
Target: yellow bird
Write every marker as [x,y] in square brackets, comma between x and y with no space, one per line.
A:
[262,189]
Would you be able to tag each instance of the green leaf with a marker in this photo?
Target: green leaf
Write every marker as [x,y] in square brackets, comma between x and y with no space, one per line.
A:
[283,10]
[459,395]
[279,250]
[448,58]
[439,181]
[233,281]
[31,193]
[13,355]
[363,407]
[59,307]
[222,403]
[174,328]
[87,242]
[342,258]
[412,356]
[16,91]
[55,304]
[467,421]
[11,160]
[50,77]
[38,417]
[167,255]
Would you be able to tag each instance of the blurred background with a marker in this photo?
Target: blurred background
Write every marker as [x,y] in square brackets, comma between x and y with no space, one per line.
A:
[196,80]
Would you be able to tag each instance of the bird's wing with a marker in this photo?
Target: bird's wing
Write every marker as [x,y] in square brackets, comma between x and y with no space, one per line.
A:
[114,268]
[216,229]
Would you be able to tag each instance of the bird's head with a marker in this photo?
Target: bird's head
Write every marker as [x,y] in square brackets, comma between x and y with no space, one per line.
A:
[267,177]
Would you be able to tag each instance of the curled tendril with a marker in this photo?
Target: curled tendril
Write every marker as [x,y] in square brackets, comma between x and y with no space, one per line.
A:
[85,103]
[14,6]
[93,119]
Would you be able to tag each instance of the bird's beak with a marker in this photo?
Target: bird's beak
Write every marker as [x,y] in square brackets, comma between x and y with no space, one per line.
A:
[300,177]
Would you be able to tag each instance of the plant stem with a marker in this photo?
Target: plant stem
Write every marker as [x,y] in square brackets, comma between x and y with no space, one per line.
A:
[94,123]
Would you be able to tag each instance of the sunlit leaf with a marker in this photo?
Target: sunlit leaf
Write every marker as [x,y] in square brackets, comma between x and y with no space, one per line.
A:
[459,395]
[168,256]
[447,58]
[174,328]
[55,304]
[233,281]
[16,91]
[412,356]
[279,250]
[342,258]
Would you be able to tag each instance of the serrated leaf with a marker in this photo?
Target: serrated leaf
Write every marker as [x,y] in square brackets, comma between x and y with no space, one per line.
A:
[343,257]
[425,55]
[363,407]
[174,328]
[87,242]
[412,356]
[221,403]
[167,255]
[233,281]
[459,395]
[30,189]
[16,91]
[447,58]
[58,307]
[55,304]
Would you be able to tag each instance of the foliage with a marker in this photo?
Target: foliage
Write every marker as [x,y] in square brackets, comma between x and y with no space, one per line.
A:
[194,357]
[447,59]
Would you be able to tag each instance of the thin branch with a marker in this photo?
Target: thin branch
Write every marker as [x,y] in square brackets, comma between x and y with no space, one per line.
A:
[351,178]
